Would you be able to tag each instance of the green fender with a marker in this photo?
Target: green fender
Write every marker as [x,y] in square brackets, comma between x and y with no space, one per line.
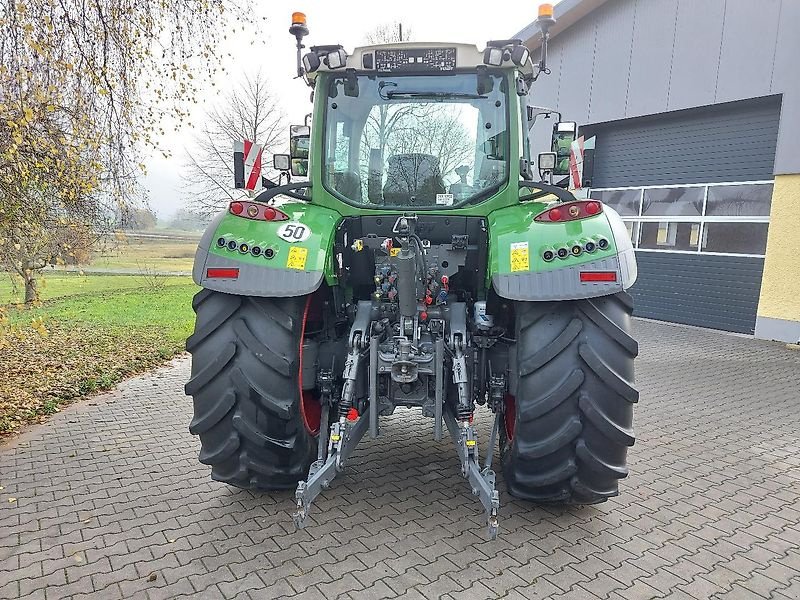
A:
[517,246]
[292,257]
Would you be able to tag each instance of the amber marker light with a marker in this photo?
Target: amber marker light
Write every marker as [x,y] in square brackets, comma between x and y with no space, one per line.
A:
[299,18]
[545,11]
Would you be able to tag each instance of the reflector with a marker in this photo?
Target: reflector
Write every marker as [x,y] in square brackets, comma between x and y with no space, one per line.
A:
[222,273]
[589,276]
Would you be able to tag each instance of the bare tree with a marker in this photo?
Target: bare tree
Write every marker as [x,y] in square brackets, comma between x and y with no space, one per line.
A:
[389,33]
[249,111]
[433,129]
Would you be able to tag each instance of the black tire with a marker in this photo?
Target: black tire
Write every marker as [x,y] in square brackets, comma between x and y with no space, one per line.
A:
[570,421]
[245,361]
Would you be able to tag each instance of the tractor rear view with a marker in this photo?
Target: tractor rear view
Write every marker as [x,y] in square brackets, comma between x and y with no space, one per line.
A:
[421,265]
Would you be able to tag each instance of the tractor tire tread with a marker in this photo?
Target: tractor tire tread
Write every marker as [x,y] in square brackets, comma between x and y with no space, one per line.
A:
[558,439]
[574,395]
[215,413]
[245,390]
[551,350]
[566,388]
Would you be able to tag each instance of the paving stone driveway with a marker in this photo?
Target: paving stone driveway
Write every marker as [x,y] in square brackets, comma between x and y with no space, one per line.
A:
[111,502]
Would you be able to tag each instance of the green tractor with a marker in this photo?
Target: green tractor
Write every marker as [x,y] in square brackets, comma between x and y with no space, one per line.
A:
[420,265]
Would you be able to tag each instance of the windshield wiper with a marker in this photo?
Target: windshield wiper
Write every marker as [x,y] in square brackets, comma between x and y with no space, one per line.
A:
[393,94]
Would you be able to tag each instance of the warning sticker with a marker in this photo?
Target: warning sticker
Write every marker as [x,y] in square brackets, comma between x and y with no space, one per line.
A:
[519,257]
[297,258]
[444,199]
[394,251]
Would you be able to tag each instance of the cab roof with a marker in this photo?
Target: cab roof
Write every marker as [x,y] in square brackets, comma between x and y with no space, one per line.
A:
[364,58]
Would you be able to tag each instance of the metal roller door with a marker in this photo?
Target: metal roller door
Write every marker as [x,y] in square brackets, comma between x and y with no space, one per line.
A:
[694,187]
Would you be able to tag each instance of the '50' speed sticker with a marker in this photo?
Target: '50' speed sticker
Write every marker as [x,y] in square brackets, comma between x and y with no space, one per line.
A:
[294,232]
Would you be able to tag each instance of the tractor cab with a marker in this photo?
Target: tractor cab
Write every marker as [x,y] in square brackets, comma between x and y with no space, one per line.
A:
[415,126]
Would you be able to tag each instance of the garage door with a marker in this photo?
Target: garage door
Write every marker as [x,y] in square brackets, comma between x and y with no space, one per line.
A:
[694,188]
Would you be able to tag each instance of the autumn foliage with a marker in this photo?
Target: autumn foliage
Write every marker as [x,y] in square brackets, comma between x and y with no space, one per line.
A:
[85,87]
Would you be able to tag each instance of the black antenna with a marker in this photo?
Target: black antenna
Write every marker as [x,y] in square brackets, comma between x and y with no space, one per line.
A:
[400,26]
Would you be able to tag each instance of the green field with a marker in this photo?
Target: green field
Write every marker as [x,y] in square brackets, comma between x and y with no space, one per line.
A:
[57,284]
[135,254]
[88,333]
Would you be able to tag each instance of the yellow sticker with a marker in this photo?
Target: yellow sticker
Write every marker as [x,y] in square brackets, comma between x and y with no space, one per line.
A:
[519,257]
[394,251]
[297,258]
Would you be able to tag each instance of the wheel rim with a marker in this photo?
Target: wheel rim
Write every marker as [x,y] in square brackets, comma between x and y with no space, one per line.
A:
[510,416]
[309,405]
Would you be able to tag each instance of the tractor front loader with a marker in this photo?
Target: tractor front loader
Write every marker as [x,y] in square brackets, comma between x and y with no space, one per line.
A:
[421,264]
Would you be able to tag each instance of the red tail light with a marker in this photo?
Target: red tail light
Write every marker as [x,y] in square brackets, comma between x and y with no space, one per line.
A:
[256,211]
[570,211]
[590,276]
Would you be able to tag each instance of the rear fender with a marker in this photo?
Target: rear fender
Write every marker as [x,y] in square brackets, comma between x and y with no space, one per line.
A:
[517,245]
[301,249]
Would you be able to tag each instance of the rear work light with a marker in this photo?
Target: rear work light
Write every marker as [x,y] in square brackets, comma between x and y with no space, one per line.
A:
[256,211]
[222,273]
[570,211]
[594,276]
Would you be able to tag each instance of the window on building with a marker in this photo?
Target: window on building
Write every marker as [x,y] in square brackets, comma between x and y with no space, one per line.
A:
[717,218]
[735,238]
[669,235]
[739,200]
[625,202]
[679,201]
[633,231]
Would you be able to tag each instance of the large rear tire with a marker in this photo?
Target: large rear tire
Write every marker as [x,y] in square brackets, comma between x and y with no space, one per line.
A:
[248,407]
[569,424]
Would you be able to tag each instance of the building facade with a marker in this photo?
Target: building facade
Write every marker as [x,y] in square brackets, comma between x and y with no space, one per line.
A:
[696,110]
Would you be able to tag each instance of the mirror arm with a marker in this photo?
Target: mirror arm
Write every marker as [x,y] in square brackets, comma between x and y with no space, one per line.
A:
[285,190]
[546,188]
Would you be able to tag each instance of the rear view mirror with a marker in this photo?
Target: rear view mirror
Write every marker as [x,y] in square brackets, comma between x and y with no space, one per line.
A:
[299,140]
[299,144]
[299,130]
[300,167]
[564,133]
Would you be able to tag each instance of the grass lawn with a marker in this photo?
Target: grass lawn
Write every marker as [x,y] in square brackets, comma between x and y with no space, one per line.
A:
[88,333]
[58,284]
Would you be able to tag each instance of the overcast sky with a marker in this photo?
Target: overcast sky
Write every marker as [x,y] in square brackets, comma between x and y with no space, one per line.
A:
[330,22]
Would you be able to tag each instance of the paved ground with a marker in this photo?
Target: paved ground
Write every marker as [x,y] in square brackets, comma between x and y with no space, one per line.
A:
[111,502]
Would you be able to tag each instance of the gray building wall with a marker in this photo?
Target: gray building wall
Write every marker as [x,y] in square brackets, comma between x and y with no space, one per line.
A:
[630,58]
